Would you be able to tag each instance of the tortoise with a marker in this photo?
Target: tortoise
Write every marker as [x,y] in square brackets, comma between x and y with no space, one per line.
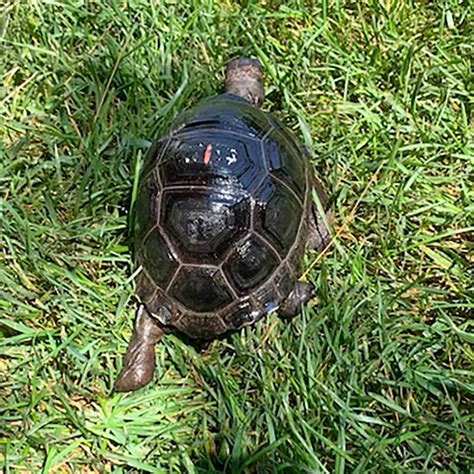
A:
[224,212]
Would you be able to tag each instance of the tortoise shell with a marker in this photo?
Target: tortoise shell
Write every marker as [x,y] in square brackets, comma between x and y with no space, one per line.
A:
[222,214]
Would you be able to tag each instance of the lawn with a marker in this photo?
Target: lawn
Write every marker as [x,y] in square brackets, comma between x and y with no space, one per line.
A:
[376,374]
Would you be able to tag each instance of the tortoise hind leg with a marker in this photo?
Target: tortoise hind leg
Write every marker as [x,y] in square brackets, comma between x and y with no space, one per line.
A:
[139,360]
[301,294]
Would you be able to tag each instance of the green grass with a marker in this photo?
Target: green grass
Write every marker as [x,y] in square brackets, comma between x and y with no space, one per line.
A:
[376,375]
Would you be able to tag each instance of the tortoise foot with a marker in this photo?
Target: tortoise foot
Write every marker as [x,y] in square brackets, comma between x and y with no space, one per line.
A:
[139,360]
[302,293]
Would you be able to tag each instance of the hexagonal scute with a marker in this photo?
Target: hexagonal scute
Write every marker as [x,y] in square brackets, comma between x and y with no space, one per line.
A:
[146,205]
[225,112]
[203,223]
[278,215]
[250,264]
[156,257]
[212,158]
[200,289]
[286,161]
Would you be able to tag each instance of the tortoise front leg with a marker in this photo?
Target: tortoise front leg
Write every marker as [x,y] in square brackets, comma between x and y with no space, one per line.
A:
[139,360]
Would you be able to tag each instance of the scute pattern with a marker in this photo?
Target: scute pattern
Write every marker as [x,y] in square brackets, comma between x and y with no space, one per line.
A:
[201,325]
[147,205]
[279,216]
[226,112]
[250,264]
[224,192]
[283,161]
[157,258]
[242,314]
[203,223]
[284,281]
[212,159]
[153,157]
[201,289]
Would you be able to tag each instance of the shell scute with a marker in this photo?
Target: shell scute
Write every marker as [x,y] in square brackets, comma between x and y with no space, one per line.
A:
[227,191]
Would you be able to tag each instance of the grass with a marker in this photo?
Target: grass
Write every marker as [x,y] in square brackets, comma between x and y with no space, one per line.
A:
[376,375]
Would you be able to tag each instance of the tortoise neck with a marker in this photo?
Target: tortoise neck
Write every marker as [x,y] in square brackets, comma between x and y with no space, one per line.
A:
[243,77]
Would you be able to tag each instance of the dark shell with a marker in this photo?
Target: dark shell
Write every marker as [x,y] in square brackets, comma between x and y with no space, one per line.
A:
[221,206]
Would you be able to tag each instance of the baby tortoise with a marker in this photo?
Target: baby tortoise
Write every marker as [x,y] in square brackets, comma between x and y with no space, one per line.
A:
[224,213]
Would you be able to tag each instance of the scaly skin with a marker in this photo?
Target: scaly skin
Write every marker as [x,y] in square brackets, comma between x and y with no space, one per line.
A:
[139,360]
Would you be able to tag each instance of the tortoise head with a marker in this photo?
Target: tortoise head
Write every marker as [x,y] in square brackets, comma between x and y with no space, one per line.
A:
[243,77]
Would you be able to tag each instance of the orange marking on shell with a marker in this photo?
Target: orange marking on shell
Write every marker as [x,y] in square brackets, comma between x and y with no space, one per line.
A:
[207,154]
